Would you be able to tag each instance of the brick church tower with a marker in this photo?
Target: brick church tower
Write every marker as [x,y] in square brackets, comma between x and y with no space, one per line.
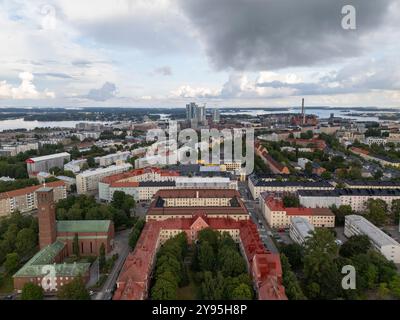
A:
[47,217]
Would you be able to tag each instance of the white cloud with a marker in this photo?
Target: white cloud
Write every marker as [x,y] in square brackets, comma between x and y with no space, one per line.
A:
[26,90]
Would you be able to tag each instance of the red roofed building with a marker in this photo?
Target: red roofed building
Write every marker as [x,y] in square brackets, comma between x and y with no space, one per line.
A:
[274,165]
[313,143]
[265,268]
[278,216]
[25,200]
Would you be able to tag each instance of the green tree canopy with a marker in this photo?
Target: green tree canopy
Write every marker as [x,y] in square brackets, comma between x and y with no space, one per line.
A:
[75,290]
[31,291]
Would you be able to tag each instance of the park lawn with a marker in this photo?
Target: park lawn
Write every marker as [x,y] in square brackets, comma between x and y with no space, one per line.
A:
[188,292]
[8,285]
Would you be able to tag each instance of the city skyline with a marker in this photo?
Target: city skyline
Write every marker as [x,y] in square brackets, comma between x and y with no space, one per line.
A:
[169,53]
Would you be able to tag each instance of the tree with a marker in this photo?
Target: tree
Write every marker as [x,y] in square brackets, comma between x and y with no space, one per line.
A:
[231,263]
[12,262]
[75,245]
[294,253]
[320,269]
[308,168]
[75,290]
[354,246]
[212,288]
[164,290]
[290,282]
[91,162]
[396,211]
[242,292]
[206,256]
[376,212]
[102,257]
[290,201]
[26,241]
[341,213]
[31,291]
[378,175]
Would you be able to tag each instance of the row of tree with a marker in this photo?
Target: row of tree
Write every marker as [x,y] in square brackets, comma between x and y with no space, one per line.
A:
[220,268]
[135,234]
[170,270]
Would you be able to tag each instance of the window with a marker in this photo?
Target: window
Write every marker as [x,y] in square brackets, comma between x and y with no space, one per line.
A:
[91,247]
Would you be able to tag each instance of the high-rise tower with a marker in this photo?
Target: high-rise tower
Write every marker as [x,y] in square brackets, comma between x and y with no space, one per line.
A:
[303,113]
[47,217]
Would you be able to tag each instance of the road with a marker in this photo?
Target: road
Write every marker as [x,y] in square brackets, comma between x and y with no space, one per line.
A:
[257,217]
[121,247]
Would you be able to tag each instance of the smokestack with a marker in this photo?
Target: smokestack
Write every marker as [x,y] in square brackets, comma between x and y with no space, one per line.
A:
[303,112]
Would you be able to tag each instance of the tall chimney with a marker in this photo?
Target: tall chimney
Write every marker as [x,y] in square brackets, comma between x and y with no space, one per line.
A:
[303,113]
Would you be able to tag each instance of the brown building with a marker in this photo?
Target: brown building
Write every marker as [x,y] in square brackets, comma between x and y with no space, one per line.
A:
[47,268]
[182,203]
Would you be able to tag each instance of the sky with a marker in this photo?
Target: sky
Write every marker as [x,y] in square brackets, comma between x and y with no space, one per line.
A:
[226,53]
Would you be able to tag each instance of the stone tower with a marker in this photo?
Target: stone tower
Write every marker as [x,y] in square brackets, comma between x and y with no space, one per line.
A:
[47,217]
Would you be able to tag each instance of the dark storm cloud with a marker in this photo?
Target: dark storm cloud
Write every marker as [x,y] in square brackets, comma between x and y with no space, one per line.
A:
[273,34]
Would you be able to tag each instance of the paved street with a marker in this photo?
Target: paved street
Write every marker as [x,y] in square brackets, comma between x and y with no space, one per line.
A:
[255,213]
[122,248]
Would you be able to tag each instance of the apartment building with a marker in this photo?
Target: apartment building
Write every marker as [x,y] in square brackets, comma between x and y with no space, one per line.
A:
[45,163]
[87,135]
[25,200]
[270,183]
[88,181]
[383,161]
[110,159]
[143,184]
[183,203]
[11,150]
[311,143]
[349,184]
[75,165]
[300,230]
[358,225]
[263,266]
[278,216]
[355,198]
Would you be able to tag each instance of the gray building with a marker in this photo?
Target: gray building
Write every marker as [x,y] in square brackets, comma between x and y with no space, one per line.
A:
[45,163]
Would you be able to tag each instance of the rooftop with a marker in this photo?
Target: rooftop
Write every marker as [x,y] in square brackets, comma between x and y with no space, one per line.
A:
[89,226]
[89,173]
[49,157]
[28,190]
[47,256]
[374,233]
[302,226]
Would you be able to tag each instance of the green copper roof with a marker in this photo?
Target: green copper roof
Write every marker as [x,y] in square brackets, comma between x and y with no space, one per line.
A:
[74,226]
[45,257]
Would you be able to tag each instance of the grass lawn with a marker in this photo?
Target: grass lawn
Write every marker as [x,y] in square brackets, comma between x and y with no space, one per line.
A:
[8,285]
[190,291]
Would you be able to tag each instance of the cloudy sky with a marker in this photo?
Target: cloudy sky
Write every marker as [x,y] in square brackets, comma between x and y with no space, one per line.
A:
[221,52]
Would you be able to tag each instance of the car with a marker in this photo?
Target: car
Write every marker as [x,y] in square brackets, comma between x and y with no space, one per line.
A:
[338,242]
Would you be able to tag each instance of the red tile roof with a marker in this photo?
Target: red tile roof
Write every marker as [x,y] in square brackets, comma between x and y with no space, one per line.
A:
[276,204]
[32,189]
[265,267]
[138,172]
